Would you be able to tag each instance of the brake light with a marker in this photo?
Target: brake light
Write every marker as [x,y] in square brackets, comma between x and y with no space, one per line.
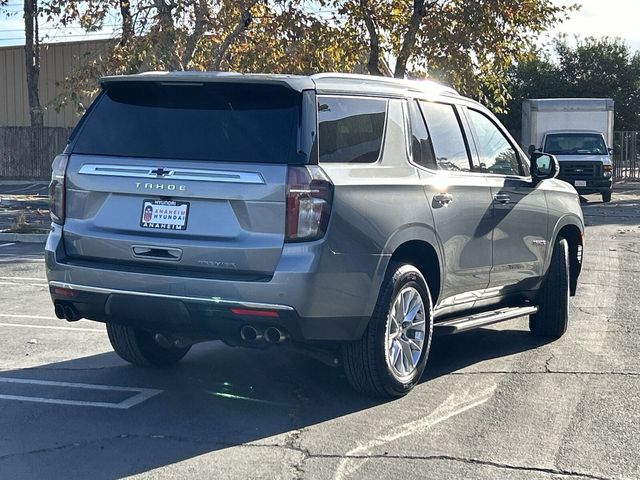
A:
[309,196]
[57,189]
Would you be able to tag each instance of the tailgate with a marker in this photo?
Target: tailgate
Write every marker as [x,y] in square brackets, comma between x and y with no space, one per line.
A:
[182,177]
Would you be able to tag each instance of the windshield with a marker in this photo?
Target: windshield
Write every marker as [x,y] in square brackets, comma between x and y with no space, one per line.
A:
[219,122]
[575,144]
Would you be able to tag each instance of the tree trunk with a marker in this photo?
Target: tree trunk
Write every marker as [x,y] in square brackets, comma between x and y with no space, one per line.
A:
[127,22]
[373,64]
[32,61]
[243,23]
[409,40]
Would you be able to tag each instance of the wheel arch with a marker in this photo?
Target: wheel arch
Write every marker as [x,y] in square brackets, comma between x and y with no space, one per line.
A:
[573,232]
[418,245]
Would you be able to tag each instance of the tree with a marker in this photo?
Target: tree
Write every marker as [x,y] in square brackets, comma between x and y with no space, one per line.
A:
[32,60]
[467,43]
[598,68]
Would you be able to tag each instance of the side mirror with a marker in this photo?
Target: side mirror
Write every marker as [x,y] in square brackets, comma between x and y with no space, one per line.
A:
[532,150]
[543,166]
[610,150]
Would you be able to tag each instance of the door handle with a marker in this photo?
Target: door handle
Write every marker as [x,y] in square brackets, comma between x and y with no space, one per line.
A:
[443,198]
[502,198]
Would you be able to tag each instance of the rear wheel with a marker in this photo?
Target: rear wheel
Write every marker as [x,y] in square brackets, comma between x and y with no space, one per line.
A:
[389,359]
[606,197]
[553,302]
[139,347]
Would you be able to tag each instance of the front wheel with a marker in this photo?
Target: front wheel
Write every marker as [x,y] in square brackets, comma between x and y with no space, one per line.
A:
[140,348]
[389,359]
[553,301]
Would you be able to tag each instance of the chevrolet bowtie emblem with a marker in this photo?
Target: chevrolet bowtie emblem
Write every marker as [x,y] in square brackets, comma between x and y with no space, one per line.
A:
[161,172]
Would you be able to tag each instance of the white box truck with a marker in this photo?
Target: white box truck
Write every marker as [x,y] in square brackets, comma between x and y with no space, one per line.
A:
[579,132]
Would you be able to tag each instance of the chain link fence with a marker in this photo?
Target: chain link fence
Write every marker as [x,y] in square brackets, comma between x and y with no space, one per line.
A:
[626,164]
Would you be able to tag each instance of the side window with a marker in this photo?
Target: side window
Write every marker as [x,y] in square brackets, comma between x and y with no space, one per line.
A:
[350,129]
[448,142]
[496,153]
[420,143]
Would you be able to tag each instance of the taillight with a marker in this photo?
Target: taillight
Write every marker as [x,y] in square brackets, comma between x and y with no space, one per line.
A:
[56,189]
[309,196]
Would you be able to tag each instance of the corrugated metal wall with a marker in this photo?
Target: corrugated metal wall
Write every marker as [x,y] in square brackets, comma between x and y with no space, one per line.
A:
[58,61]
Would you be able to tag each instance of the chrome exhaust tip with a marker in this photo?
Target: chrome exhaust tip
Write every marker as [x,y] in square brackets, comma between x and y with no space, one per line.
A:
[250,334]
[70,313]
[274,335]
[59,311]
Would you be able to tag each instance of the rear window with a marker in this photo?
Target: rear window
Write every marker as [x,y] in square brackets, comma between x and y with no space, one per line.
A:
[351,129]
[219,122]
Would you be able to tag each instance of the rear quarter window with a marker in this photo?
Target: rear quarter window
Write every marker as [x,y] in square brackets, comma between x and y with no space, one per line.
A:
[214,121]
[351,129]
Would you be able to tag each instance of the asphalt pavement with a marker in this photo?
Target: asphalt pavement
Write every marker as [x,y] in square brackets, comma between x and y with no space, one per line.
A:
[494,404]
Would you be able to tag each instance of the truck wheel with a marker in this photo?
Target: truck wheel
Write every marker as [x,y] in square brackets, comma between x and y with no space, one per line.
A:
[606,197]
[389,359]
[553,300]
[139,348]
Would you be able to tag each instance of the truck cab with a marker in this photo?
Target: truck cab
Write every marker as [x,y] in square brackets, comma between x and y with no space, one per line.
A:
[585,160]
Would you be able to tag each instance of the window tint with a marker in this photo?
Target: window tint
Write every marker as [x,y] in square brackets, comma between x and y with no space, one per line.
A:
[223,122]
[446,136]
[350,129]
[496,153]
[420,144]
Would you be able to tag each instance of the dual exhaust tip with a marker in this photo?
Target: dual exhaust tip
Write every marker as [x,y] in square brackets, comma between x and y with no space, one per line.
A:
[271,335]
[66,312]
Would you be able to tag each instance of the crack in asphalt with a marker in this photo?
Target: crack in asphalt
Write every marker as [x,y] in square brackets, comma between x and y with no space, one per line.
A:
[545,372]
[292,444]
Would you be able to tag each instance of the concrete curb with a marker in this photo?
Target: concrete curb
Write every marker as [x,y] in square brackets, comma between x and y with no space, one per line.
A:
[24,237]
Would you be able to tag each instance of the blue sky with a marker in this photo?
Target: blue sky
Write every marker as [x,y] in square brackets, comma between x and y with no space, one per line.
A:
[596,18]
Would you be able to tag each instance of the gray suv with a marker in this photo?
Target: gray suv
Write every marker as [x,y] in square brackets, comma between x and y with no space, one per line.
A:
[350,217]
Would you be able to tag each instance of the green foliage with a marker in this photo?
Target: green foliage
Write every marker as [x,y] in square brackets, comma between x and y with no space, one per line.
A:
[597,68]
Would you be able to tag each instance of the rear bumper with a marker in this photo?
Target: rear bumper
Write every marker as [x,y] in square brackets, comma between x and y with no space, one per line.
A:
[314,295]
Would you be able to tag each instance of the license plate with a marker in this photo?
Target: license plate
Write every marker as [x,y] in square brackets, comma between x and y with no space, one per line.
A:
[164,214]
[581,183]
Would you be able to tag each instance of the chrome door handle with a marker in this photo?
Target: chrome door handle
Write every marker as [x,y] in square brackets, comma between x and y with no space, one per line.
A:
[443,198]
[502,198]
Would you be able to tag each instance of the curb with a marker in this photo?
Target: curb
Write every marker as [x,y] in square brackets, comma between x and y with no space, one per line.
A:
[24,237]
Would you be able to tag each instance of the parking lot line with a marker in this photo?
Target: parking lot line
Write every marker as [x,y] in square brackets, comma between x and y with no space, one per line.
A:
[141,394]
[32,279]
[7,244]
[50,327]
[20,315]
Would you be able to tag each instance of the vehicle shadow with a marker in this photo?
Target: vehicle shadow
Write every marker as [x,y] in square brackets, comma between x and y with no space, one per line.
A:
[218,398]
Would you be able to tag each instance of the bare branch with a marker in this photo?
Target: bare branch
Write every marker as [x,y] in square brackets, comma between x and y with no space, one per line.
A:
[243,23]
[201,14]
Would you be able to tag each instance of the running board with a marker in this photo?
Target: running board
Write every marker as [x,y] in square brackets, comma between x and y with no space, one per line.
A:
[457,325]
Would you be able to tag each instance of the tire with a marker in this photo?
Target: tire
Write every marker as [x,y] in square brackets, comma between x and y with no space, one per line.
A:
[553,301]
[606,197]
[139,348]
[368,362]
